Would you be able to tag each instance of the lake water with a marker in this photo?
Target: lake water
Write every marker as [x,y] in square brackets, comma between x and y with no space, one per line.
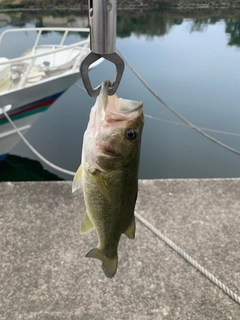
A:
[191,59]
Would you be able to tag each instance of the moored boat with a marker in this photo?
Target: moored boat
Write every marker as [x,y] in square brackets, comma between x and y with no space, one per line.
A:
[30,84]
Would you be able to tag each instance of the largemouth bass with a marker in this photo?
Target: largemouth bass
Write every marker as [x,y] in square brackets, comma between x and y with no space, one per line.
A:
[109,174]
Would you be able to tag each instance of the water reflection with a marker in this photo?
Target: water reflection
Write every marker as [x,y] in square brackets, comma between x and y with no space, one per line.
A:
[150,24]
[66,21]
[15,168]
[139,23]
[233,29]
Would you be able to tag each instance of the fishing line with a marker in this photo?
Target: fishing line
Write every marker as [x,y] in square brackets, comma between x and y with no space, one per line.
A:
[175,112]
[176,123]
[185,125]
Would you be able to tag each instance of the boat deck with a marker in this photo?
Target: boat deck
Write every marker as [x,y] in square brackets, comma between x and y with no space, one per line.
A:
[41,62]
[44,274]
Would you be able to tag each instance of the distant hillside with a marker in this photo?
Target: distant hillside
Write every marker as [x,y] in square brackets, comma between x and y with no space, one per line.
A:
[122,4]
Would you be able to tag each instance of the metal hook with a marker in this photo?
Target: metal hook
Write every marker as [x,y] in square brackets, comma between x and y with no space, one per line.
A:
[102,18]
[92,57]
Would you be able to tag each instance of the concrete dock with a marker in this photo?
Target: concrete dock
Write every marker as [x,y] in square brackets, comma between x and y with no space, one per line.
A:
[45,275]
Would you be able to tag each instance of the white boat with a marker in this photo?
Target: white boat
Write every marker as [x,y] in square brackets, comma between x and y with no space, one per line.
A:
[31,83]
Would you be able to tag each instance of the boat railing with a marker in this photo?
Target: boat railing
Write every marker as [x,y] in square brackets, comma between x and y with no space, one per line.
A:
[40,30]
[30,59]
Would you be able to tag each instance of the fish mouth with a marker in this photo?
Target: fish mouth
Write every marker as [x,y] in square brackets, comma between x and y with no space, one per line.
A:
[110,152]
[124,108]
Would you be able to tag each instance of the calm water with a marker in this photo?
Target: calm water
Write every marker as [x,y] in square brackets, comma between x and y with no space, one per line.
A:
[191,59]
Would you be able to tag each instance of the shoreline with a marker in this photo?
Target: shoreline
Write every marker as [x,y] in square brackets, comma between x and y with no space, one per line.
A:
[85,10]
[171,5]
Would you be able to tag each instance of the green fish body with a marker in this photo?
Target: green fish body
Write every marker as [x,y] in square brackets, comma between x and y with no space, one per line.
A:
[109,174]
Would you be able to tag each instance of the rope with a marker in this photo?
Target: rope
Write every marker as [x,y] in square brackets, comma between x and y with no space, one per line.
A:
[34,150]
[189,259]
[175,112]
[184,125]
[80,87]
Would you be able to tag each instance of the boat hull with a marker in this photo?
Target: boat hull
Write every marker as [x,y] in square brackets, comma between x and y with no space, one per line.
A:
[27,105]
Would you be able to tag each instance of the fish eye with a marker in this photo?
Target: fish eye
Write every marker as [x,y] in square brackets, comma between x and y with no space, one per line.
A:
[131,134]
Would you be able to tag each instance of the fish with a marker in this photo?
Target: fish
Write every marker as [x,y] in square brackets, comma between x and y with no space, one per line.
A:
[108,174]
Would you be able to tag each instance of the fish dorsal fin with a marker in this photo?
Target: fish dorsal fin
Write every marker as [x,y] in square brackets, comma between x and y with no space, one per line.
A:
[77,180]
[109,265]
[87,224]
[130,232]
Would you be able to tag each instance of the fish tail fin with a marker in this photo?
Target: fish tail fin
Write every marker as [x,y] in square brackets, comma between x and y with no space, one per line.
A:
[109,265]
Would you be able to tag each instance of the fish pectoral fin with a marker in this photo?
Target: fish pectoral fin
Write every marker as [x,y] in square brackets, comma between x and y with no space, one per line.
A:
[109,265]
[87,224]
[102,187]
[77,180]
[130,232]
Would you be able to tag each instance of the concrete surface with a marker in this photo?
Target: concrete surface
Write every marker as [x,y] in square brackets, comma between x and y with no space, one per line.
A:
[44,274]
